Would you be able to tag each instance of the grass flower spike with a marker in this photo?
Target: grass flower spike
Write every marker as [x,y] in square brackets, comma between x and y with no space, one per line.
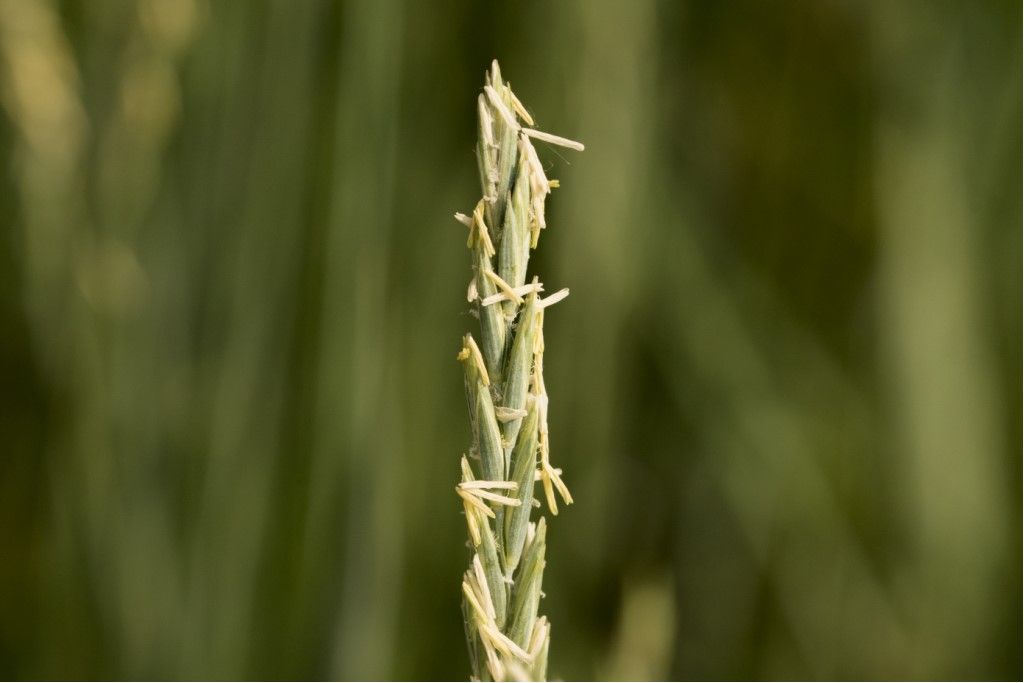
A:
[506,396]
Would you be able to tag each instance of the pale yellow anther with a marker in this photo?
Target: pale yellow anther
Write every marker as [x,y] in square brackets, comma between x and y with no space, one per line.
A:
[505,287]
[521,290]
[474,491]
[534,234]
[554,298]
[481,582]
[482,233]
[538,351]
[471,522]
[539,186]
[475,502]
[563,490]
[554,139]
[471,350]
[504,644]
[472,597]
[475,484]
[468,503]
[538,179]
[517,106]
[497,498]
[503,111]
[551,478]
[467,471]
[549,493]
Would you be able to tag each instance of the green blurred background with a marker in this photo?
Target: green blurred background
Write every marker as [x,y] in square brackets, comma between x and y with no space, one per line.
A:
[786,390]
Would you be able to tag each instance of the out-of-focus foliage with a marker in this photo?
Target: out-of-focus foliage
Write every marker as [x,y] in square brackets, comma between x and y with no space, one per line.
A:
[785,390]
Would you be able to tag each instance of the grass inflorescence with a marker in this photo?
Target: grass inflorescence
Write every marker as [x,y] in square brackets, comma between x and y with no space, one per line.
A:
[506,396]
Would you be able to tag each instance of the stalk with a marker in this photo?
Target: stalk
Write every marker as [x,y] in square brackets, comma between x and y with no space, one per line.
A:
[506,397]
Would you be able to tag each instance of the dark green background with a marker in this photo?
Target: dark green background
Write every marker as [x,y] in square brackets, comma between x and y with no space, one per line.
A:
[786,389]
